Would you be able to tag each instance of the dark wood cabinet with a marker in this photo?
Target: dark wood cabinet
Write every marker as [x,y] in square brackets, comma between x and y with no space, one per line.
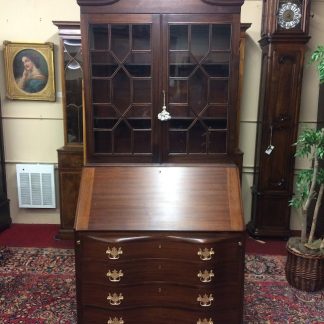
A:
[140,57]
[160,245]
[70,162]
[5,219]
[70,156]
[283,46]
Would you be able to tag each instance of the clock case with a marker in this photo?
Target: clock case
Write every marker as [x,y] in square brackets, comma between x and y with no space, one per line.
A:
[283,53]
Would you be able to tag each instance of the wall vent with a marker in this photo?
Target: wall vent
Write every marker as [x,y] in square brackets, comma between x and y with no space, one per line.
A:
[35,184]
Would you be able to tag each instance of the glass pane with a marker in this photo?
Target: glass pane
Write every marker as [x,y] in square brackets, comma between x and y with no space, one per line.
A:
[72,46]
[141,37]
[142,91]
[218,91]
[180,123]
[73,97]
[217,142]
[139,123]
[197,138]
[217,64]
[221,37]
[103,64]
[121,91]
[142,142]
[139,64]
[102,141]
[180,111]
[104,111]
[99,37]
[100,91]
[212,123]
[73,87]
[181,64]
[74,123]
[104,123]
[120,42]
[179,37]
[216,111]
[199,41]
[139,111]
[178,91]
[198,89]
[122,138]
[177,141]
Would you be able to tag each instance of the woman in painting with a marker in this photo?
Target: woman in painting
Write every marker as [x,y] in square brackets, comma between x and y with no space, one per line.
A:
[32,79]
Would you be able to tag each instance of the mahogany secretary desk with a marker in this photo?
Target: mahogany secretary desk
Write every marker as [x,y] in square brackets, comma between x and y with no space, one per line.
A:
[159,231]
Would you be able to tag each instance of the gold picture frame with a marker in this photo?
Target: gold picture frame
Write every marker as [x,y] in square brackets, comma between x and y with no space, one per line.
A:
[29,69]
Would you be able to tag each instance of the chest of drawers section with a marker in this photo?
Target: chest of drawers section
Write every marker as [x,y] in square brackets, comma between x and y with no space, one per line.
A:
[159,278]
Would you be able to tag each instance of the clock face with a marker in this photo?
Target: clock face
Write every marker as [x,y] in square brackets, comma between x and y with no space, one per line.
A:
[289,15]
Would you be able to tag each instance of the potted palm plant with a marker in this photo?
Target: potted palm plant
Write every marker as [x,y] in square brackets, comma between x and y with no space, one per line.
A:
[305,260]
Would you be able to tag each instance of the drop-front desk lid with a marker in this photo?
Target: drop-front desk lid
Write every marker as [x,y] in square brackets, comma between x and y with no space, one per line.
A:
[161,198]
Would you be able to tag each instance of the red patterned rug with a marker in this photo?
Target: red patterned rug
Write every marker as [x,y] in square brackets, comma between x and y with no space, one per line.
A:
[37,286]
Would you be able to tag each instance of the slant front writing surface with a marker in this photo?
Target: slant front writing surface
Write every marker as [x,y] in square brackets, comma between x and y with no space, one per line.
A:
[160,198]
[139,66]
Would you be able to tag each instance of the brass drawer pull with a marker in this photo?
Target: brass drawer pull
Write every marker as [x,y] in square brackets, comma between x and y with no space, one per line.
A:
[206,300]
[205,321]
[115,320]
[205,276]
[115,299]
[114,276]
[206,254]
[114,253]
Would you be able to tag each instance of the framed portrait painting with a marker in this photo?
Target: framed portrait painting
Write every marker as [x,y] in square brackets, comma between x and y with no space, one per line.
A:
[29,69]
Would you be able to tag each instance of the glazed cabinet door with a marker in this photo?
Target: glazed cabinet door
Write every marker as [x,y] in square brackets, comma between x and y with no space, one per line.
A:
[123,79]
[198,64]
[72,83]
[162,87]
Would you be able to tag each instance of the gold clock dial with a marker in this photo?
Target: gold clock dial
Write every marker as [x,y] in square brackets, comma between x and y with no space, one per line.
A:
[289,15]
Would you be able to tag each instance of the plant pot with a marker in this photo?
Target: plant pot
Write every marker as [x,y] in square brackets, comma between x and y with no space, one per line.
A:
[304,271]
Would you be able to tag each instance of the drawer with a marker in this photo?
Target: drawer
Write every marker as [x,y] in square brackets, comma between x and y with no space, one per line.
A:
[160,316]
[101,247]
[159,294]
[150,270]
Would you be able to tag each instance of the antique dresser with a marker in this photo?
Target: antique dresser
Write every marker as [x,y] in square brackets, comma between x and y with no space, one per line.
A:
[159,230]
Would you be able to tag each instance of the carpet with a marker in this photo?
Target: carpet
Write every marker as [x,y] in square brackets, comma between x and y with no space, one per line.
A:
[37,286]
[269,299]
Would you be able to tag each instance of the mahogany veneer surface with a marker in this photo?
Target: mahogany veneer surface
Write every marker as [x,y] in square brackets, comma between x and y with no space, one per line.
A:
[143,198]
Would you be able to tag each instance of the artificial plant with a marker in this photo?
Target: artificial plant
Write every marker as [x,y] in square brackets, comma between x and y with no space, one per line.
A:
[310,183]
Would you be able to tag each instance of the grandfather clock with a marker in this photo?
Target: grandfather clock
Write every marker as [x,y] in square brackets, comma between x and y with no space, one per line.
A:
[284,34]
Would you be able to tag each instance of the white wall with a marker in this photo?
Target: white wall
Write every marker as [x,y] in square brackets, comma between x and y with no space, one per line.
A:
[34,130]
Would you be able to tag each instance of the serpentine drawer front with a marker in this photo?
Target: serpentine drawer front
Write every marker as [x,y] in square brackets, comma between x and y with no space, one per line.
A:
[189,275]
